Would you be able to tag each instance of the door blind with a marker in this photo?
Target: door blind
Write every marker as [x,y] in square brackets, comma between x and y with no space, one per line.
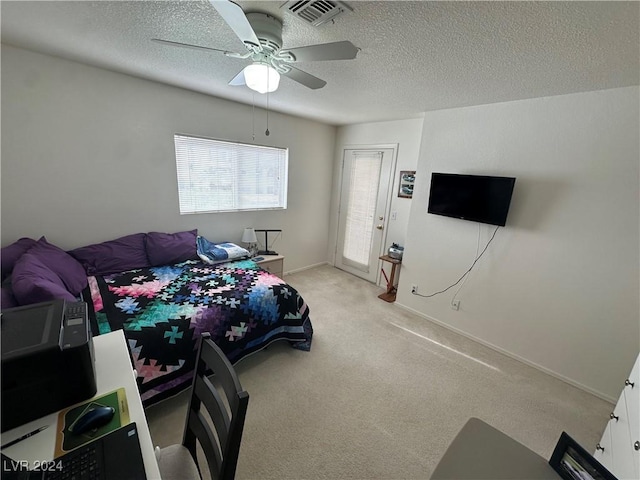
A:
[361,208]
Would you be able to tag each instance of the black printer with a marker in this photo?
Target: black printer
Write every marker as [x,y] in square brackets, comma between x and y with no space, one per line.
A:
[47,360]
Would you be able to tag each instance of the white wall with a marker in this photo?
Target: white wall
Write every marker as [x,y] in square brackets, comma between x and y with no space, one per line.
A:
[406,135]
[559,285]
[88,155]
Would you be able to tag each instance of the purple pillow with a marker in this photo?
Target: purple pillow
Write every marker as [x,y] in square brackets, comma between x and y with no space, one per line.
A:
[7,300]
[10,254]
[32,282]
[170,248]
[62,264]
[114,256]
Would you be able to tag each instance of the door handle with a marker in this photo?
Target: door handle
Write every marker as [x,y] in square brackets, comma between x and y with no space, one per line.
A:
[379,227]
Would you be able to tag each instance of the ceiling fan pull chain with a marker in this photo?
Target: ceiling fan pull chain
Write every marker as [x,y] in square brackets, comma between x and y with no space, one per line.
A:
[253,117]
[267,130]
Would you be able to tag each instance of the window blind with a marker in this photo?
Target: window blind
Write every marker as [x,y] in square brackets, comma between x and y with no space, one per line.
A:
[221,176]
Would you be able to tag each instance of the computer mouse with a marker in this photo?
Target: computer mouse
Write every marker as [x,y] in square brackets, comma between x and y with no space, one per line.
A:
[94,418]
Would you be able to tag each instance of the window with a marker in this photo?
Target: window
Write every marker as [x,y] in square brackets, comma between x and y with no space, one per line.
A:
[219,176]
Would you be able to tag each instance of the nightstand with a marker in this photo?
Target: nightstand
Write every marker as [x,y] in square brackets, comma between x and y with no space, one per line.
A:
[272,263]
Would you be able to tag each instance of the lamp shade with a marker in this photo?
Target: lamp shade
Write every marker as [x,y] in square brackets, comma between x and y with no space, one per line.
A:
[249,236]
[261,77]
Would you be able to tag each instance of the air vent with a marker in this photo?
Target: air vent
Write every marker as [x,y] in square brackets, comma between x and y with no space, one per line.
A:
[316,12]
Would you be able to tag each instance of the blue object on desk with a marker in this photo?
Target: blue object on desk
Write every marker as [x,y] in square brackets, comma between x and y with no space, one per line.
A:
[257,259]
[94,418]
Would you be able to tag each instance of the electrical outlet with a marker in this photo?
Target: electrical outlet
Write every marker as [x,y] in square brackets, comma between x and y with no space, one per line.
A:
[414,288]
[455,305]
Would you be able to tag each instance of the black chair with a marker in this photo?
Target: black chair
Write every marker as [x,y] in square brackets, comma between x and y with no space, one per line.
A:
[226,403]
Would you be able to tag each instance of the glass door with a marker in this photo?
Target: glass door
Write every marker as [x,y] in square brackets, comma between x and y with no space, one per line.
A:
[364,194]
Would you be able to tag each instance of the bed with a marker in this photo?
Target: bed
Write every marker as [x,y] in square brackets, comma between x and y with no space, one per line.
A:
[164,310]
[168,300]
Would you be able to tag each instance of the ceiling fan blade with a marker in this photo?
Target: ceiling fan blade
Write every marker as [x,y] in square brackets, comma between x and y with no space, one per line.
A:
[326,51]
[238,79]
[237,20]
[185,45]
[305,78]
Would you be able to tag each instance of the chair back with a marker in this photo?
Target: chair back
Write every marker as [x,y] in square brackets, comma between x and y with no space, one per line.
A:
[217,388]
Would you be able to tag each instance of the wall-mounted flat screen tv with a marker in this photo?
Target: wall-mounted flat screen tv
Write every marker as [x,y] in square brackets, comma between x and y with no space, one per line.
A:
[477,198]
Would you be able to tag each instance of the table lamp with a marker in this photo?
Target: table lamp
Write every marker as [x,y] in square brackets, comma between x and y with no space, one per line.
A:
[249,237]
[266,250]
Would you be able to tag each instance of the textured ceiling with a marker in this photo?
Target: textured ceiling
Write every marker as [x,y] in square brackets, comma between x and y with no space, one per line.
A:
[415,56]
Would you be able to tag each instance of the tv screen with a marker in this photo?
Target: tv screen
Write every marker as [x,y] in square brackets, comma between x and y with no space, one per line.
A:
[476,198]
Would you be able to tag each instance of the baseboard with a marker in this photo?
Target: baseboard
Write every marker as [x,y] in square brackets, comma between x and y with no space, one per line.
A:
[309,267]
[511,355]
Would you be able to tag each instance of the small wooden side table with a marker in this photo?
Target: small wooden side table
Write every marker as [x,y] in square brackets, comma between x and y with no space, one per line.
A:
[272,264]
[390,294]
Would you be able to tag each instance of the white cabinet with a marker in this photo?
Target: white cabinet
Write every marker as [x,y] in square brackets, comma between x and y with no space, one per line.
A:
[603,449]
[619,448]
[632,397]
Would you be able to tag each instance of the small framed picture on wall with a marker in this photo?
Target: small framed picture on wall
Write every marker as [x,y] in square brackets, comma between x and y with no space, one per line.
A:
[407,178]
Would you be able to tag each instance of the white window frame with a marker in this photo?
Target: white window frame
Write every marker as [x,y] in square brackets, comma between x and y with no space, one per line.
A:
[223,176]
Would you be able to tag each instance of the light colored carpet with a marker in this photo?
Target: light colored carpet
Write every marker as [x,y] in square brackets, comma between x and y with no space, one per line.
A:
[382,393]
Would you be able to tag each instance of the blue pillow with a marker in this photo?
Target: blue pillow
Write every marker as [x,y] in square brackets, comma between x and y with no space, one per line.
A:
[213,253]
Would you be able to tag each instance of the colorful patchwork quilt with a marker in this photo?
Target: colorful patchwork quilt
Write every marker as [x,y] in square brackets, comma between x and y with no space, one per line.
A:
[163,310]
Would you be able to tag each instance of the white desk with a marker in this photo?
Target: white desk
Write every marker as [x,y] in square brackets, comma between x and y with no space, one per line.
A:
[113,371]
[481,452]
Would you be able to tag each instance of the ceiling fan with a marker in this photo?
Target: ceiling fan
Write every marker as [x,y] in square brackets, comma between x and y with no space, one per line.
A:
[262,36]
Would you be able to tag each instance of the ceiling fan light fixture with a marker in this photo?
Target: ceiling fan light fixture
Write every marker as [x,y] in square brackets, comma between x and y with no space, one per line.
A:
[261,77]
